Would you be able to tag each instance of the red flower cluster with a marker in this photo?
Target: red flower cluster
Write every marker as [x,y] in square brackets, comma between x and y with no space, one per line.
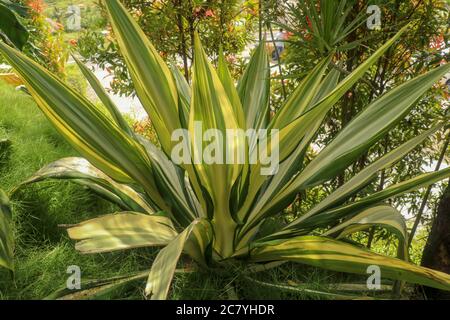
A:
[36,6]
[202,12]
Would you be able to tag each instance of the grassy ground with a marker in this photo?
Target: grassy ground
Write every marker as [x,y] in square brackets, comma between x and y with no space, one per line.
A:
[43,252]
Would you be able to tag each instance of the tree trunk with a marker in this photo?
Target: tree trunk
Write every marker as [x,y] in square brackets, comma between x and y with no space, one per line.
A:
[436,254]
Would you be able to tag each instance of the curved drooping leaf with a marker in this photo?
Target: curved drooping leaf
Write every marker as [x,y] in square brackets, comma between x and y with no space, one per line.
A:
[80,171]
[164,266]
[329,216]
[367,174]
[338,256]
[125,230]
[88,130]
[6,233]
[362,132]
[383,216]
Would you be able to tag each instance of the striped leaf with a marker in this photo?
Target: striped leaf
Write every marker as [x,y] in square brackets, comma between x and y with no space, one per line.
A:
[301,98]
[88,130]
[104,97]
[212,109]
[80,171]
[164,266]
[228,84]
[383,216]
[184,95]
[253,89]
[125,230]
[363,132]
[332,215]
[170,180]
[367,174]
[151,77]
[289,167]
[337,256]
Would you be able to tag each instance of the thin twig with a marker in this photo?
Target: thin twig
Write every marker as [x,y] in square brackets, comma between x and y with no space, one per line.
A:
[427,193]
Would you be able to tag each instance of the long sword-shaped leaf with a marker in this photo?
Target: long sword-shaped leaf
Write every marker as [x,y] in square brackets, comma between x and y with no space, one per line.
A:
[121,231]
[87,129]
[211,111]
[184,95]
[291,134]
[289,167]
[6,233]
[332,215]
[365,130]
[228,84]
[337,256]
[80,171]
[239,191]
[301,98]
[104,97]
[367,174]
[164,266]
[253,89]
[328,101]
[171,181]
[151,77]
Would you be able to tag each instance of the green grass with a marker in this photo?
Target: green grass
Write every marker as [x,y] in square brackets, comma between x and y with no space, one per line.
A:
[43,251]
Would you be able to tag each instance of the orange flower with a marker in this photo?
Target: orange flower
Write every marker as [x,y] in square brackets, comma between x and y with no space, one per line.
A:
[73,42]
[37,6]
[309,22]
[437,42]
[210,13]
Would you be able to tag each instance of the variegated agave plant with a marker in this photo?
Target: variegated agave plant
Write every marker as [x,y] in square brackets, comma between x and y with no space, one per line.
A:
[214,213]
